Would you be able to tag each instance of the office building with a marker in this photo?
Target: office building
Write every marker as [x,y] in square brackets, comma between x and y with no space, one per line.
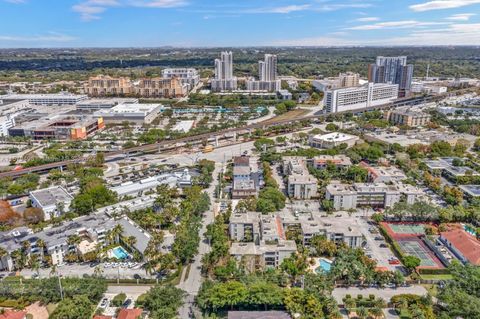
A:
[348,79]
[160,88]
[53,201]
[224,79]
[59,127]
[392,70]
[187,76]
[332,140]
[408,116]
[359,98]
[62,98]
[104,85]
[132,113]
[346,196]
[267,75]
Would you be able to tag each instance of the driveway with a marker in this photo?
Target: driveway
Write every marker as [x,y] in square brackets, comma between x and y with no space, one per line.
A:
[385,293]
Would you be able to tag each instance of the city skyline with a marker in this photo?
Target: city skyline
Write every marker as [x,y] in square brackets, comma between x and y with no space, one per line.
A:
[213,23]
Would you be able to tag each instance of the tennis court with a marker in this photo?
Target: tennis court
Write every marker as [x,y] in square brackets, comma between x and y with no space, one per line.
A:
[407,228]
[414,248]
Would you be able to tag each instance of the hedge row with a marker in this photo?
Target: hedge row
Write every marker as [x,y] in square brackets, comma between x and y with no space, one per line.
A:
[395,247]
[429,271]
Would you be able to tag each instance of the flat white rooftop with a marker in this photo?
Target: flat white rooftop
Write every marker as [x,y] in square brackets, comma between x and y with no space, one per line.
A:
[335,137]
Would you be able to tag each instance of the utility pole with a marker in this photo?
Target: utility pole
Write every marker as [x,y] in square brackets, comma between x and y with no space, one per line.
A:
[60,286]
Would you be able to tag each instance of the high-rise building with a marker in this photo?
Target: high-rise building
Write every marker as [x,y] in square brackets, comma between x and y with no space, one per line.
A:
[393,70]
[224,79]
[267,75]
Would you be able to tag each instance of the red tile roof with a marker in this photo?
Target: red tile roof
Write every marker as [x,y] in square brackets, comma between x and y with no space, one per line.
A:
[130,313]
[465,243]
[9,314]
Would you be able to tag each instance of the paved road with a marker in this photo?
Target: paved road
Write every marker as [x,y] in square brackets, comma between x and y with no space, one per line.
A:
[194,280]
[385,293]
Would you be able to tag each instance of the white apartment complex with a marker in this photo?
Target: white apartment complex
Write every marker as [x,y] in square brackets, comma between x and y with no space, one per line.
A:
[267,75]
[300,183]
[358,98]
[188,76]
[346,196]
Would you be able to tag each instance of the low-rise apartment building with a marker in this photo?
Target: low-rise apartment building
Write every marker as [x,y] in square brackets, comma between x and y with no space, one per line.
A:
[450,167]
[161,88]
[104,85]
[346,196]
[300,183]
[383,174]
[412,117]
[247,177]
[187,76]
[322,161]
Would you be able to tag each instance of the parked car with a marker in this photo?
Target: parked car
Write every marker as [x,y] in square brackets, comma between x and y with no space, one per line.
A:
[127,303]
[383,245]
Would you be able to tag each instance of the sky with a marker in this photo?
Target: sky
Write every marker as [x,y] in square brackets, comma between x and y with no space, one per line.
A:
[217,23]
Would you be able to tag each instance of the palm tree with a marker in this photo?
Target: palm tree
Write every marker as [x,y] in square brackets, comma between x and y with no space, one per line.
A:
[98,271]
[53,270]
[362,313]
[376,312]
[26,246]
[130,241]
[116,232]
[41,245]
[34,264]
[19,259]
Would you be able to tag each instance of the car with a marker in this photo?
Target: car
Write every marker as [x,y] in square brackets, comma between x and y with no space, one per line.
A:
[378,238]
[127,303]
[107,265]
[394,262]
[383,245]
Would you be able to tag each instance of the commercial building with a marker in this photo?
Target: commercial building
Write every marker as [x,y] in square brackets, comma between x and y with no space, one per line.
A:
[409,116]
[360,97]
[332,140]
[348,79]
[160,88]
[12,107]
[53,201]
[142,187]
[224,79]
[133,113]
[59,127]
[300,183]
[63,98]
[99,104]
[463,245]
[346,196]
[187,76]
[393,70]
[104,85]
[267,76]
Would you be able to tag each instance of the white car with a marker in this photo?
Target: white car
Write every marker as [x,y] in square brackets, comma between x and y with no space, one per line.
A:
[106,265]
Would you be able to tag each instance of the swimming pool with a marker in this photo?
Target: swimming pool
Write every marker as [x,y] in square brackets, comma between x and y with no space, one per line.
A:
[325,266]
[120,253]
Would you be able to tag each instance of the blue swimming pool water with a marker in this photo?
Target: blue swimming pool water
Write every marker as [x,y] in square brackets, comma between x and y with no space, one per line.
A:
[325,266]
[120,253]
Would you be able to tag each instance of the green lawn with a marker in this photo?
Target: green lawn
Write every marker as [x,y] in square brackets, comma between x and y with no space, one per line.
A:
[437,277]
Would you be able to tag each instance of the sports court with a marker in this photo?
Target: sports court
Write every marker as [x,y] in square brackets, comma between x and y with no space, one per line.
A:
[417,229]
[415,248]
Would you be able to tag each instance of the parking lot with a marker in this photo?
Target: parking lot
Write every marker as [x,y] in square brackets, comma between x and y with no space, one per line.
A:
[132,293]
[377,249]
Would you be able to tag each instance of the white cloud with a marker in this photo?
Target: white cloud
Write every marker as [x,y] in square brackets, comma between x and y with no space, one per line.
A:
[442,4]
[340,6]
[49,37]
[281,10]
[393,25]
[453,34]
[367,19]
[91,9]
[461,17]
